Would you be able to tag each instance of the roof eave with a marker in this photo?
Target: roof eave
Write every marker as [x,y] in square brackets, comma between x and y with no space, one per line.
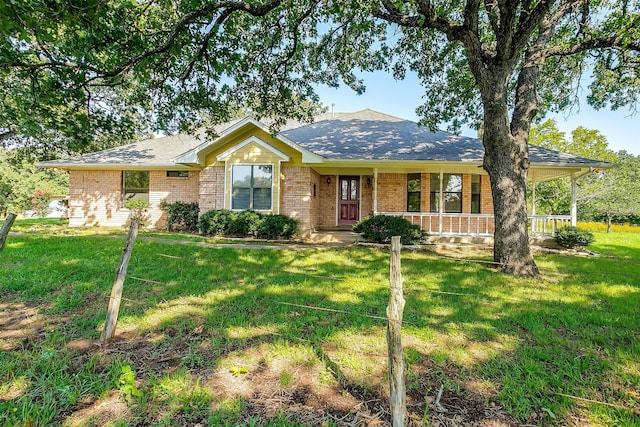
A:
[115,166]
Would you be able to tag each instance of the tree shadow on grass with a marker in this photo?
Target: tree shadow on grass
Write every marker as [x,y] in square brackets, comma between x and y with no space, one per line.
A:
[206,325]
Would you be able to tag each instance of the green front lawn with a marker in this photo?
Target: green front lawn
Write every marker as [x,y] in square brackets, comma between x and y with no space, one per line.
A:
[228,336]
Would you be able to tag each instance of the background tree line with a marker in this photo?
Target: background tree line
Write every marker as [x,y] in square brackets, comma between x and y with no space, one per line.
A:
[612,195]
[24,186]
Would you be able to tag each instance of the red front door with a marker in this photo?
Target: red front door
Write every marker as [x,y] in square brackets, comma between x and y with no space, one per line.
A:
[348,200]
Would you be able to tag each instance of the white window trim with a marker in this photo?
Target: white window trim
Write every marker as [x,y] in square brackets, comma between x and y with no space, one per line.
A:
[273,172]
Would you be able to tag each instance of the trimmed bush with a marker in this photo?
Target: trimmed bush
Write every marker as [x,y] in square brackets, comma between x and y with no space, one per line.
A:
[247,223]
[380,229]
[277,227]
[572,237]
[244,223]
[181,215]
[215,222]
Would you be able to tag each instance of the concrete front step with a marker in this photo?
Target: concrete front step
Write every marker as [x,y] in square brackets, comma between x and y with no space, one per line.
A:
[336,236]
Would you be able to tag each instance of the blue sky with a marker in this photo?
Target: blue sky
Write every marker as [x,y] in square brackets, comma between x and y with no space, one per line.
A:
[401,98]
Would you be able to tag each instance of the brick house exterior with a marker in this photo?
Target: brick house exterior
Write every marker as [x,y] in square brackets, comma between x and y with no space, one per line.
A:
[331,173]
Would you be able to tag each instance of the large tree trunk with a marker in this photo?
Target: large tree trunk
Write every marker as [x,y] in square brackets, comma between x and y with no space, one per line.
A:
[506,160]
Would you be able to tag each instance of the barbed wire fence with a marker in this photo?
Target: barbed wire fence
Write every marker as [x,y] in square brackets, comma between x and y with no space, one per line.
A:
[394,353]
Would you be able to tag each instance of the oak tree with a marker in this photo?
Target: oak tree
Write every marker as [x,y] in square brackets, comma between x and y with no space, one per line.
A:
[193,61]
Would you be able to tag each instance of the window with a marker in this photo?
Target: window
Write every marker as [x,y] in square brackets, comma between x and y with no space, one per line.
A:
[177,174]
[413,192]
[451,186]
[251,187]
[475,194]
[135,185]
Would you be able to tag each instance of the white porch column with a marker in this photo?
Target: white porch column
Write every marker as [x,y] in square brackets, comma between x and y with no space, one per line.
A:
[574,203]
[533,207]
[375,191]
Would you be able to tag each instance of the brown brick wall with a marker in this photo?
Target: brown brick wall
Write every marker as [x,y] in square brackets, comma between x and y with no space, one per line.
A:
[366,196]
[95,197]
[486,201]
[296,198]
[327,201]
[315,198]
[392,192]
[211,191]
[170,189]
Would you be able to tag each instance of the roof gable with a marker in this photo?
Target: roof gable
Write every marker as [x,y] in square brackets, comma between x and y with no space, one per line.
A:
[198,154]
[252,140]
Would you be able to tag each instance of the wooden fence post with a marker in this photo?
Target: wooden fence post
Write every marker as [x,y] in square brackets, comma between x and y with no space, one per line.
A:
[394,342]
[118,283]
[6,226]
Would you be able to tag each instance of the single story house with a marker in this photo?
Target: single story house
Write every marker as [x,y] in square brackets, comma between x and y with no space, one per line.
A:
[328,174]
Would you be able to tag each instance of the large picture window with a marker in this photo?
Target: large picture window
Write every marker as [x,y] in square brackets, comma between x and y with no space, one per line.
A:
[413,192]
[451,186]
[135,185]
[475,194]
[251,187]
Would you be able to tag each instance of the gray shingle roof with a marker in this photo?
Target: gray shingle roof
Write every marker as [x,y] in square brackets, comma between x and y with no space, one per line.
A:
[369,135]
[363,135]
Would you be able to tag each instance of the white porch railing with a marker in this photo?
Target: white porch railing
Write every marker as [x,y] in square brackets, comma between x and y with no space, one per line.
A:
[477,224]
[546,225]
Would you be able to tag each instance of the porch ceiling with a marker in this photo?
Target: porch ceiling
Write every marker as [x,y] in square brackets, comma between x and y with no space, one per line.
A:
[537,173]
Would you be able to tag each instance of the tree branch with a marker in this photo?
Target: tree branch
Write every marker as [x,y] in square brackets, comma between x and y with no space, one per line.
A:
[612,42]
[227,6]
[428,18]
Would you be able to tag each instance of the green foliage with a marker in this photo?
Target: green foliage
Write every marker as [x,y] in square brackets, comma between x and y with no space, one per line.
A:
[181,215]
[247,223]
[127,383]
[380,229]
[40,200]
[584,142]
[215,222]
[22,183]
[572,237]
[137,209]
[66,80]
[554,197]
[244,223]
[614,194]
[277,227]
[550,334]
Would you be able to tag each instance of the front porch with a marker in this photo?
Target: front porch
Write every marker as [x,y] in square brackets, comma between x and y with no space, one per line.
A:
[462,224]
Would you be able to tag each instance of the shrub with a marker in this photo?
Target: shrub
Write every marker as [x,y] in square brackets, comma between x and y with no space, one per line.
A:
[277,227]
[244,223]
[380,229]
[215,222]
[40,201]
[572,237]
[138,210]
[181,215]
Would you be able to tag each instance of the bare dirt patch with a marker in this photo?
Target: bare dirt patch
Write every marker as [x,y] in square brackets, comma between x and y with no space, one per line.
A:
[307,390]
[17,322]
[99,413]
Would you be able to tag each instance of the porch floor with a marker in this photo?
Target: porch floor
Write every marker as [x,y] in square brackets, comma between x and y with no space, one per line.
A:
[344,235]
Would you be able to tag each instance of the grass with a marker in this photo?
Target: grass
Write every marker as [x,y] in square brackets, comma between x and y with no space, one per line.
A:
[215,336]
